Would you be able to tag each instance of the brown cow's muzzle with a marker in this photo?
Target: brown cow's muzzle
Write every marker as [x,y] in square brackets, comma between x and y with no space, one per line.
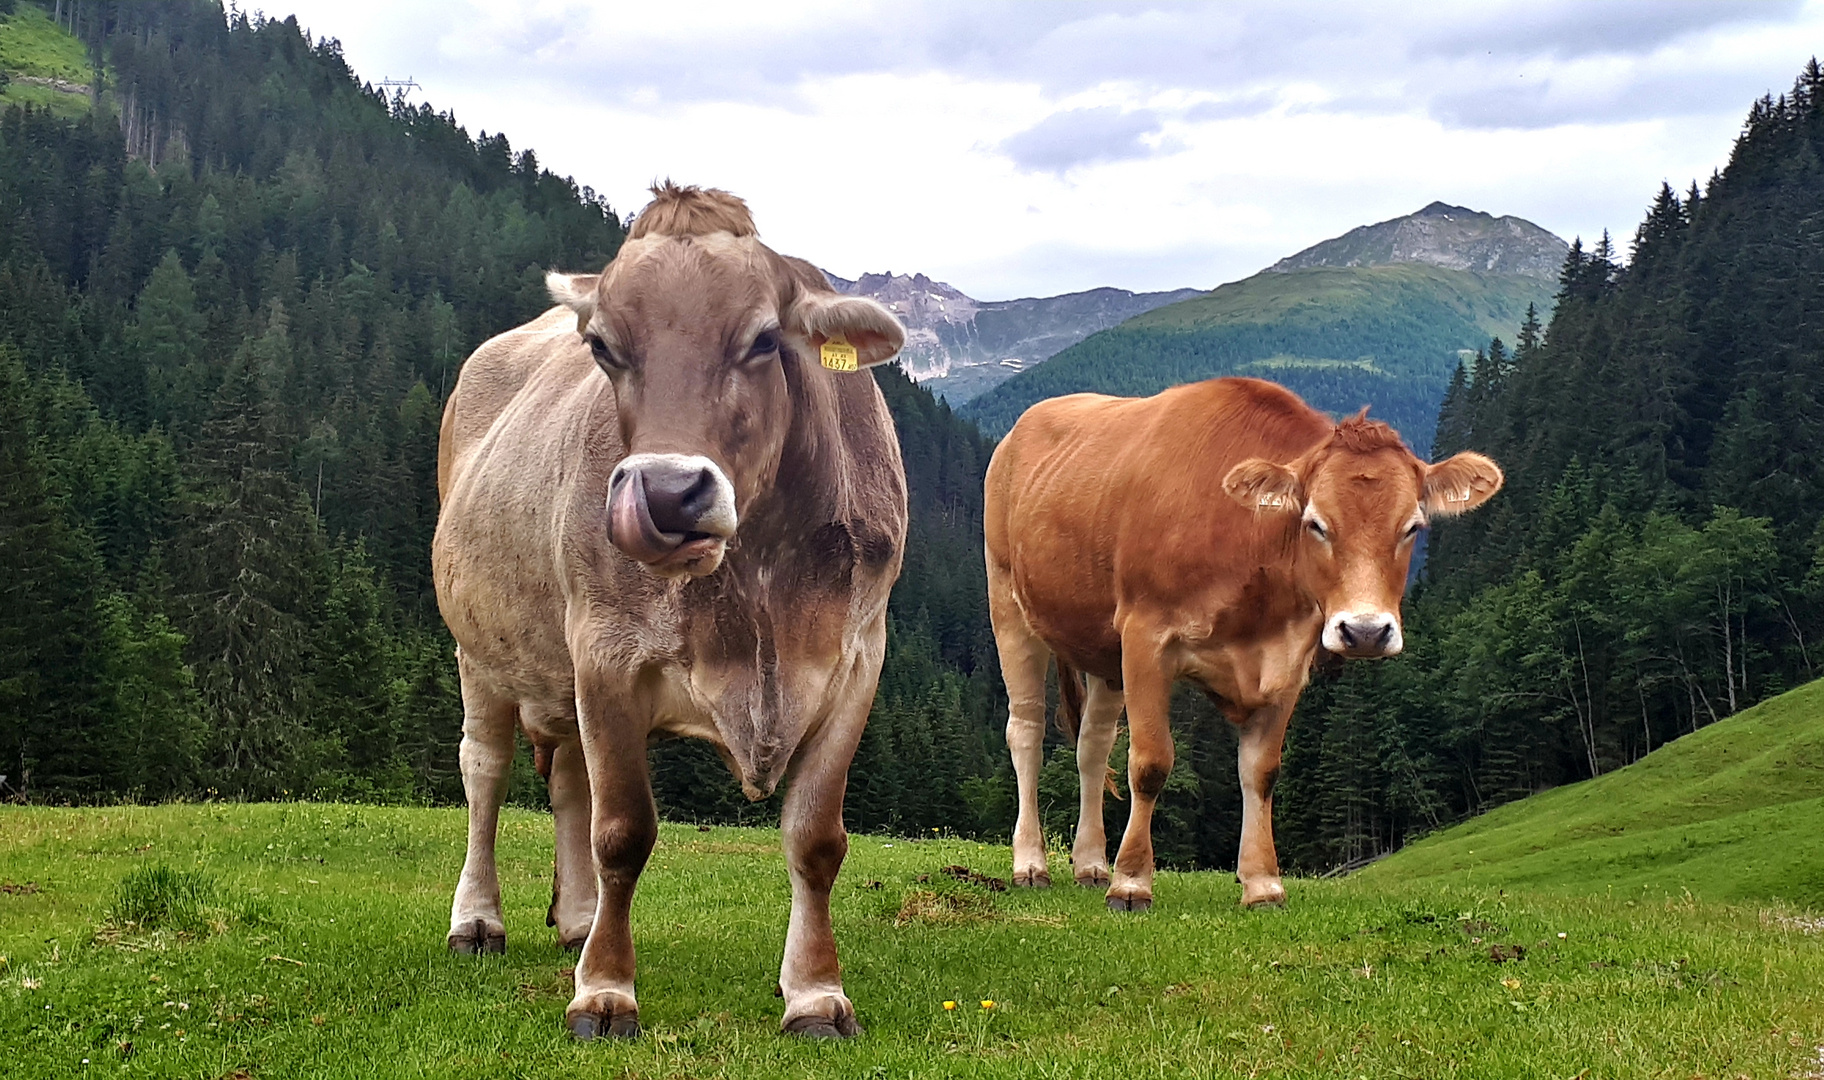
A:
[1363,635]
[674,513]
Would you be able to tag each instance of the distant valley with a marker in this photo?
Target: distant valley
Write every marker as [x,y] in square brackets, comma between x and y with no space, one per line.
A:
[959,347]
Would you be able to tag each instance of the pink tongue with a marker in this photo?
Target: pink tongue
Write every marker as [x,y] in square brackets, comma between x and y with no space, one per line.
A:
[630,526]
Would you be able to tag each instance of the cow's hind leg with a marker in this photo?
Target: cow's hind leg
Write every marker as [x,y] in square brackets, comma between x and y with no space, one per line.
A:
[1023,661]
[1095,738]
[624,825]
[573,882]
[488,721]
[1262,738]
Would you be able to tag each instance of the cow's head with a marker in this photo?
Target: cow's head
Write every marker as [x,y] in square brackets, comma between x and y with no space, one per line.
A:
[1361,498]
[707,336]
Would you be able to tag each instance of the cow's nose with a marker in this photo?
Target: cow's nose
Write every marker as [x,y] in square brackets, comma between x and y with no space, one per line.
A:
[678,496]
[1370,634]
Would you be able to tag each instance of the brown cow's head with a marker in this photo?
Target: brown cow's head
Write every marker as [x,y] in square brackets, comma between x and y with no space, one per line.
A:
[1361,497]
[706,334]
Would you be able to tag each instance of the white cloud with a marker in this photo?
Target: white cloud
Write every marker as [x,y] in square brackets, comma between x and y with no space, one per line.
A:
[1027,149]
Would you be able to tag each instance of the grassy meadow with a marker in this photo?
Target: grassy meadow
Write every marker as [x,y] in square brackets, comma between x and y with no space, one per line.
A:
[300,939]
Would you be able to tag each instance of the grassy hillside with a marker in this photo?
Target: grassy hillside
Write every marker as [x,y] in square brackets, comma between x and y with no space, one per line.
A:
[1733,812]
[42,63]
[1386,336]
[306,940]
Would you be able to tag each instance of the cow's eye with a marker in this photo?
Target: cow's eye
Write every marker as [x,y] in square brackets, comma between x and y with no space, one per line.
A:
[604,356]
[1413,530]
[765,345]
[1317,529]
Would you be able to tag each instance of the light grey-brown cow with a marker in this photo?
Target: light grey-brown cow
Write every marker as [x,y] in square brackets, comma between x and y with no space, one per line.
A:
[672,506]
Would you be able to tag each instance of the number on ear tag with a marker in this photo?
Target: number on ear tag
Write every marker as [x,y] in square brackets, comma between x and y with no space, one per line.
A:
[839,355]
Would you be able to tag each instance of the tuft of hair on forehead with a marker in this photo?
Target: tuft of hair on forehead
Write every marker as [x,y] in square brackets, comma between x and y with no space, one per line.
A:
[678,210]
[1360,435]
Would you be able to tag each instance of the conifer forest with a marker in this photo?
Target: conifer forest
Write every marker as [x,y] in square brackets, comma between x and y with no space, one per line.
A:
[235,292]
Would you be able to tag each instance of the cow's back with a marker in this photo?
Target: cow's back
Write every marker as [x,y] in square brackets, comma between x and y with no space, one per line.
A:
[1096,504]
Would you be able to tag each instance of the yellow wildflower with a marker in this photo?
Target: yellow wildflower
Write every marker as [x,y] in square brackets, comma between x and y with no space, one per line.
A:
[987,1004]
[949,1006]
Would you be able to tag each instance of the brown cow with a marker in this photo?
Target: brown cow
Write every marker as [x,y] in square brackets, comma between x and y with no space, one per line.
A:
[662,515]
[1218,532]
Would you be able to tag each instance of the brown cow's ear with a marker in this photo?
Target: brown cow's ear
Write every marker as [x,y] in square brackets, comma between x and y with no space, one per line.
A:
[827,319]
[1459,484]
[576,292]
[1259,484]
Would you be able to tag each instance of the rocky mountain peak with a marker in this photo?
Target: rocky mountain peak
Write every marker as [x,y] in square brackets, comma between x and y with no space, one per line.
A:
[1455,237]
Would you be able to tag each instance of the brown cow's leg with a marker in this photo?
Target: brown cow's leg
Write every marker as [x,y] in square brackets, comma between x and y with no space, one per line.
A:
[1263,737]
[573,891]
[624,824]
[815,845]
[488,721]
[1149,762]
[1023,661]
[1095,738]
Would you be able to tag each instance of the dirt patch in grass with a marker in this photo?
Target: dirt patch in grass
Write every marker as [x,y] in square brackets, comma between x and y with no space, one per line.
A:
[950,907]
[9,888]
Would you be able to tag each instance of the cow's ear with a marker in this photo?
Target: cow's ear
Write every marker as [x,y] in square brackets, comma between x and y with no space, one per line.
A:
[1459,483]
[576,292]
[837,326]
[1259,484]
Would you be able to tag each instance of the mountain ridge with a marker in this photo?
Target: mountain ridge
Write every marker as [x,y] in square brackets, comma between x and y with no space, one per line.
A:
[1453,237]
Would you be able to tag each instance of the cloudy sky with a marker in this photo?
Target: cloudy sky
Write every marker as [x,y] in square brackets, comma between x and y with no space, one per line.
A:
[1017,149]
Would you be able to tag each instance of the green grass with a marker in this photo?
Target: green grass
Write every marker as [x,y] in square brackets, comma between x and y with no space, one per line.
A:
[1733,812]
[34,46]
[318,952]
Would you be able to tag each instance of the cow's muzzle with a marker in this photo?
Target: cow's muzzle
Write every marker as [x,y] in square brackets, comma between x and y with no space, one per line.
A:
[1363,634]
[675,513]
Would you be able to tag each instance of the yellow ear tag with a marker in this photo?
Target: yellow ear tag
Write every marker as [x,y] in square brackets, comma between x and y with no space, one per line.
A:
[839,355]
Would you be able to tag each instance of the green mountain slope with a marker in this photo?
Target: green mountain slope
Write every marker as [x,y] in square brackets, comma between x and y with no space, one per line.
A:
[1734,811]
[1343,337]
[40,64]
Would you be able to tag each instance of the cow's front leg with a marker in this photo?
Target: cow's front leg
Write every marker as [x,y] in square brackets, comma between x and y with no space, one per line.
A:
[1262,738]
[1148,690]
[624,824]
[815,844]
[486,756]
[1024,659]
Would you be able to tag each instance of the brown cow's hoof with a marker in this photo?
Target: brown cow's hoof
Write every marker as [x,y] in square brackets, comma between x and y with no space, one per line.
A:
[1032,879]
[587,1027]
[822,1027]
[1093,877]
[476,939]
[575,945]
[1130,903]
[815,1025]
[1268,893]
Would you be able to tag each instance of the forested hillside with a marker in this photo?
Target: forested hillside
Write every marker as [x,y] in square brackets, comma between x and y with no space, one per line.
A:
[233,295]
[1341,337]
[1653,564]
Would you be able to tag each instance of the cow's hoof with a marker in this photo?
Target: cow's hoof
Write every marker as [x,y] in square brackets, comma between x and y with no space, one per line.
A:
[840,1024]
[587,1027]
[574,945]
[1032,879]
[1129,900]
[1265,893]
[477,938]
[1093,877]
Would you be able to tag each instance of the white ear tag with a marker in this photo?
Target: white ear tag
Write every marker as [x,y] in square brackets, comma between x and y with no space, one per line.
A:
[839,355]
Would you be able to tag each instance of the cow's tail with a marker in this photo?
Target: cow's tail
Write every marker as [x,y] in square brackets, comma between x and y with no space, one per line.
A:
[1070,712]
[1070,701]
